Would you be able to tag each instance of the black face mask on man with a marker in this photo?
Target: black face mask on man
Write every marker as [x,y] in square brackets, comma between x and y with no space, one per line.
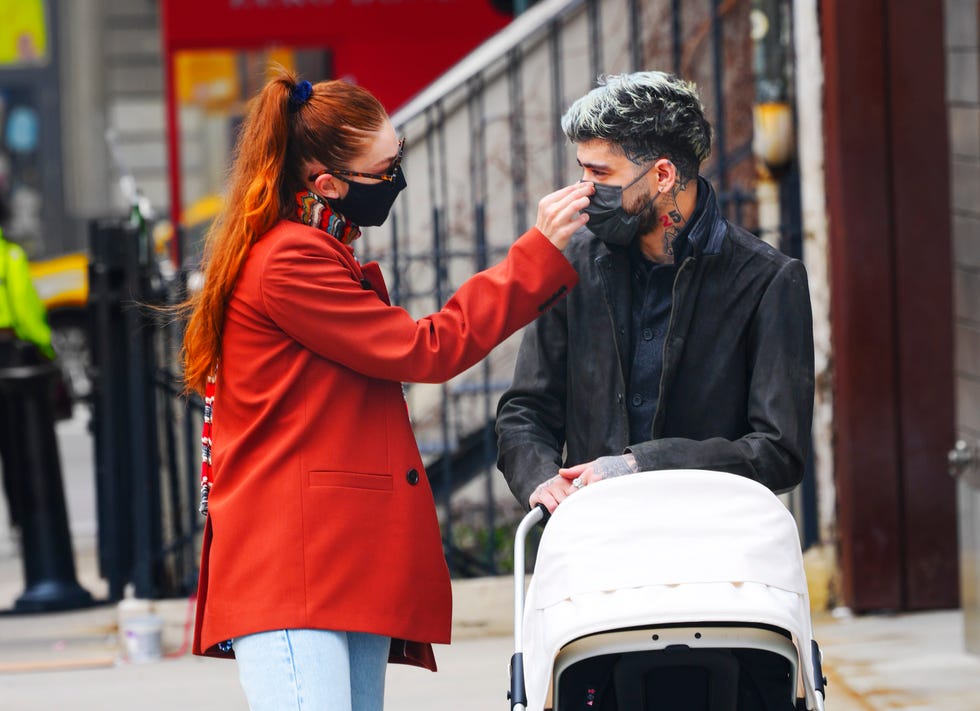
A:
[369,204]
[608,219]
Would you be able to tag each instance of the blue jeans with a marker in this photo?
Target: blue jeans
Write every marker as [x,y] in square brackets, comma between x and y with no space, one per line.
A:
[311,670]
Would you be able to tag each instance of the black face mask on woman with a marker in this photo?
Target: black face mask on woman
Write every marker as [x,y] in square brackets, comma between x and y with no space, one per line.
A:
[608,219]
[369,204]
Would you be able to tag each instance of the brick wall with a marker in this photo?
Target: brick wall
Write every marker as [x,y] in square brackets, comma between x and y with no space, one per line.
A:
[134,92]
[963,96]
[963,92]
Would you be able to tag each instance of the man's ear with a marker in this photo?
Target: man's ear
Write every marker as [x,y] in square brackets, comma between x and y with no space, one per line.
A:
[664,173]
[328,186]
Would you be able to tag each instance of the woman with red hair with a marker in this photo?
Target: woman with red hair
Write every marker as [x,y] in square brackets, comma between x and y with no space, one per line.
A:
[322,557]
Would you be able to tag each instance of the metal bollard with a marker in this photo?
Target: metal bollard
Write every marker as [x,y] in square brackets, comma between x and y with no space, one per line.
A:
[46,550]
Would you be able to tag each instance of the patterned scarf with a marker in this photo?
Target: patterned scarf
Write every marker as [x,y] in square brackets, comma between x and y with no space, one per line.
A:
[313,210]
[206,477]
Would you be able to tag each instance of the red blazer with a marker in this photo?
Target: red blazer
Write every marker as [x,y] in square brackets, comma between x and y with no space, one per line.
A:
[320,513]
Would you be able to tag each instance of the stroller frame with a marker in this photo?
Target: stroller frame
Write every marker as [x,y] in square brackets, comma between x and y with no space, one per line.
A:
[693,634]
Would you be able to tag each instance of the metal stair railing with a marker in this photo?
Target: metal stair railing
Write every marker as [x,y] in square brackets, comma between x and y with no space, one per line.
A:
[483,144]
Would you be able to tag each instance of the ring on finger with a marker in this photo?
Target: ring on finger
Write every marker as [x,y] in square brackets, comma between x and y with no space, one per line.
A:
[577,482]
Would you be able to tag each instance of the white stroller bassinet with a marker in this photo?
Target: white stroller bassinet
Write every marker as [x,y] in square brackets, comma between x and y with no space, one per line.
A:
[680,589]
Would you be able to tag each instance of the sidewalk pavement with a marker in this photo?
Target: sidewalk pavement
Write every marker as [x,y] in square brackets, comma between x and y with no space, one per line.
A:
[72,660]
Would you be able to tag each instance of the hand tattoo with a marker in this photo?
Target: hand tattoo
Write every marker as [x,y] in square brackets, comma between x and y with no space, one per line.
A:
[609,467]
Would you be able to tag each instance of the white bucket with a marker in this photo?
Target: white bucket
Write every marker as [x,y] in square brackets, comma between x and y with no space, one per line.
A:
[142,639]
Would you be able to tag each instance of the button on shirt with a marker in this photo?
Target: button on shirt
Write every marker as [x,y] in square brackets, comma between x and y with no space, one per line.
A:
[652,287]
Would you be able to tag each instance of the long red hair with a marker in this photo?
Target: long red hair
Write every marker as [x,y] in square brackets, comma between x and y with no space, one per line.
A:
[268,169]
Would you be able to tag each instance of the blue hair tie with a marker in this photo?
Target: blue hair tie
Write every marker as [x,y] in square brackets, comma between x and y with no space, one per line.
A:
[300,94]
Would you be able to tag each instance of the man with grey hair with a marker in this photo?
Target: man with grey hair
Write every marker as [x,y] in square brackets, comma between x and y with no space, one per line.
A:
[688,342]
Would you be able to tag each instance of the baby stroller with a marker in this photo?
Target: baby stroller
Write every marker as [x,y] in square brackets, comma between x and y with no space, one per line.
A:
[679,590]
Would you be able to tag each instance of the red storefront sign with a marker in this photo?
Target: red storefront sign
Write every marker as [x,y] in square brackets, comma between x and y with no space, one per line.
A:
[251,23]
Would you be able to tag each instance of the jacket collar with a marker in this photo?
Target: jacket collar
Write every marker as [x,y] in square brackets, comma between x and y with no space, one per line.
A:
[705,233]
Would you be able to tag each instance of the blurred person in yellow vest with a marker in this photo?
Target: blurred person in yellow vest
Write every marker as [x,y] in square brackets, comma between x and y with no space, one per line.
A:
[22,314]
[25,339]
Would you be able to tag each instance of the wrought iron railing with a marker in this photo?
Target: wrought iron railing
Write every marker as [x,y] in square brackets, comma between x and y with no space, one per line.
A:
[147,435]
[483,144]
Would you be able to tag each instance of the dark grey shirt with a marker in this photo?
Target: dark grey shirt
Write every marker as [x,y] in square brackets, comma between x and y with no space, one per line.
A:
[651,287]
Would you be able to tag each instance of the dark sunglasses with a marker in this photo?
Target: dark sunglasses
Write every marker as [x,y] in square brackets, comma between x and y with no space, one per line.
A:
[387,177]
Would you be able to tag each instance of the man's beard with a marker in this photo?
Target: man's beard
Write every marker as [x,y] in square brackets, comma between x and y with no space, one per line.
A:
[648,213]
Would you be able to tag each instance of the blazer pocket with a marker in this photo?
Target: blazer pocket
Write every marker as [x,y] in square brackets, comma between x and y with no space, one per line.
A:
[351,480]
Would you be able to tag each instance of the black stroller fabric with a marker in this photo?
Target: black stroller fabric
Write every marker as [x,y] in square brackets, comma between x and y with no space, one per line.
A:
[679,680]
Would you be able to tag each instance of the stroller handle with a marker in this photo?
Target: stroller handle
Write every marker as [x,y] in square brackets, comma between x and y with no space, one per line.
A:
[518,694]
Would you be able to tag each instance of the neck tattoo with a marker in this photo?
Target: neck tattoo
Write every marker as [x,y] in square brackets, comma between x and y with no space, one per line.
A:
[672,220]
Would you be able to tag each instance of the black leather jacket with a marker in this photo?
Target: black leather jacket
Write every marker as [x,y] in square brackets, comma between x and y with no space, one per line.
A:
[736,393]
